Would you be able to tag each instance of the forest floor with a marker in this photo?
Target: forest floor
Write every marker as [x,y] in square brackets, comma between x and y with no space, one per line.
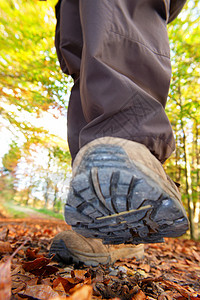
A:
[169,270]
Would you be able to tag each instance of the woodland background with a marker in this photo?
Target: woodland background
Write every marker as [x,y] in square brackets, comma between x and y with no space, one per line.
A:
[34,157]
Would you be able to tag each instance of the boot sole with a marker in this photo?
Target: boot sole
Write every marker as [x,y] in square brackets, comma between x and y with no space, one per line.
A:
[112,199]
[63,254]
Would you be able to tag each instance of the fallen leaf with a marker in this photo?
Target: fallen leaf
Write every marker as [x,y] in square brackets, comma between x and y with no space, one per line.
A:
[5,280]
[44,271]
[21,253]
[48,231]
[16,270]
[32,254]
[4,234]
[5,248]
[40,291]
[18,288]
[80,274]
[59,298]
[32,281]
[60,289]
[139,296]
[106,281]
[145,267]
[47,281]
[183,291]
[67,285]
[164,296]
[84,293]
[36,264]
[76,287]
[196,255]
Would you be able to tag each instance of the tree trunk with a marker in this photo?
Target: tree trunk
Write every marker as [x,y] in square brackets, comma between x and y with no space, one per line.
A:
[46,194]
[27,197]
[177,159]
[188,180]
[55,198]
[197,206]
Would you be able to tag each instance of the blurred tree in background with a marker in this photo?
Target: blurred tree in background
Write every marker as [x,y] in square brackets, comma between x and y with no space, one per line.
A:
[183,108]
[36,168]
[33,93]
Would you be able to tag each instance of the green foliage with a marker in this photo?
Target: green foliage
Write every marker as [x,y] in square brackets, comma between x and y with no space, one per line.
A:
[7,188]
[29,68]
[50,213]
[183,107]
[11,159]
[32,86]
[31,81]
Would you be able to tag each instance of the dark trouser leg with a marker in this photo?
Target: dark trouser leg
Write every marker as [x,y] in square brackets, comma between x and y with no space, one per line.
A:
[124,71]
[69,49]
[75,120]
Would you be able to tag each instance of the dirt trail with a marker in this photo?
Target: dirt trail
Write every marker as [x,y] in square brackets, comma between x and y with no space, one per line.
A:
[29,217]
[31,212]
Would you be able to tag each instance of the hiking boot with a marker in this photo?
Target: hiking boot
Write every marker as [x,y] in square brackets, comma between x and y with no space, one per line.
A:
[120,193]
[70,247]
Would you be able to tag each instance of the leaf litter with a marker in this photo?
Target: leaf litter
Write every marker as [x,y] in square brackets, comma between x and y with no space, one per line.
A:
[168,271]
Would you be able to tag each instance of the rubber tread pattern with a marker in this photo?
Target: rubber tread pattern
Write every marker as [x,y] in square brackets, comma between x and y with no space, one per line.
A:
[111,199]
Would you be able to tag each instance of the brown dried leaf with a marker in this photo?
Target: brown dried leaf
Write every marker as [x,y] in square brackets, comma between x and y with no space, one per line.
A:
[88,280]
[17,269]
[33,281]
[164,296]
[47,281]
[196,255]
[80,274]
[4,234]
[20,277]
[139,296]
[183,291]
[32,254]
[67,285]
[21,253]
[47,231]
[106,281]
[60,289]
[76,287]
[5,280]
[99,276]
[36,264]
[40,291]
[18,288]
[84,293]
[145,267]
[45,271]
[59,298]
[5,248]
